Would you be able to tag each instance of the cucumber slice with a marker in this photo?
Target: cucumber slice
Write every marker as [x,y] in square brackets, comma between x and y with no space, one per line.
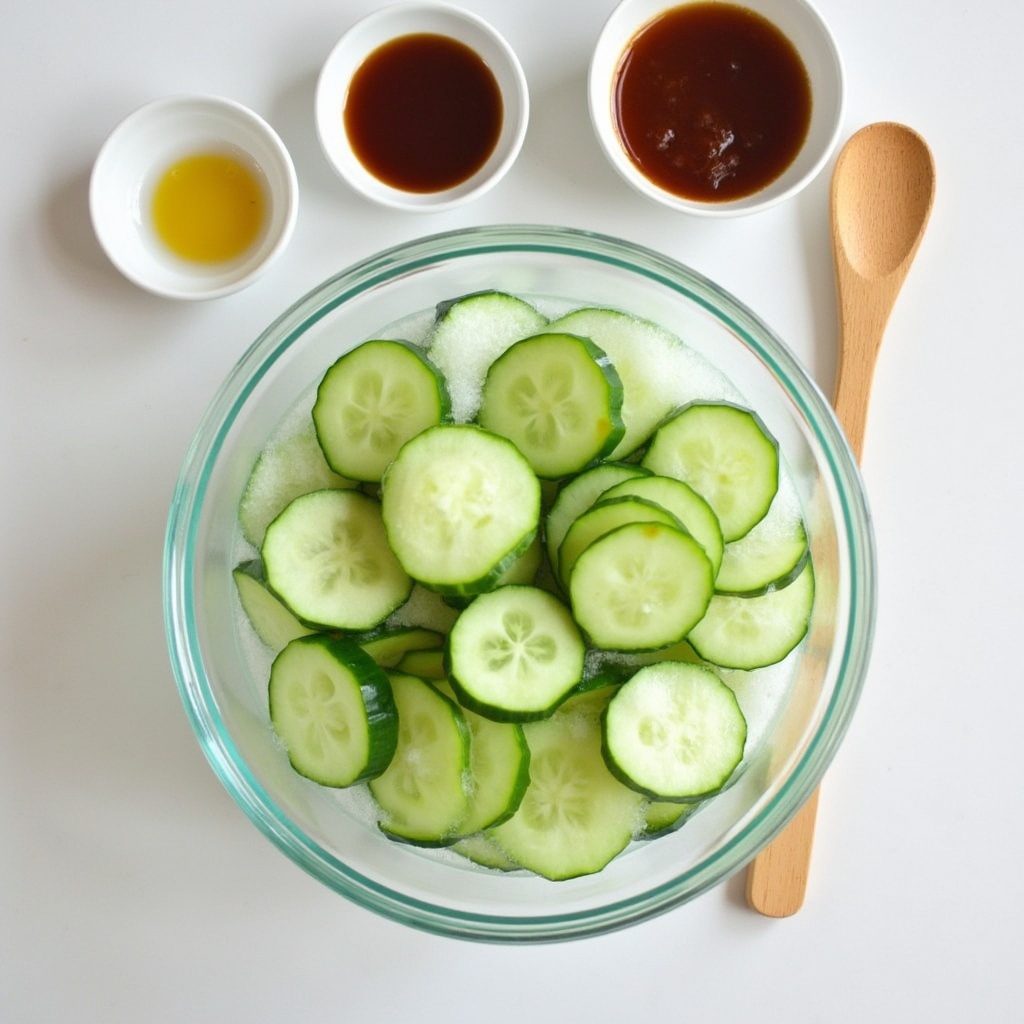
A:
[272,622]
[577,495]
[284,469]
[601,519]
[695,514]
[662,817]
[725,453]
[326,556]
[371,401]
[333,709]
[752,632]
[461,505]
[640,587]
[558,397]
[469,333]
[575,815]
[389,645]
[482,850]
[770,556]
[514,654]
[423,792]
[427,664]
[649,360]
[499,767]
[674,732]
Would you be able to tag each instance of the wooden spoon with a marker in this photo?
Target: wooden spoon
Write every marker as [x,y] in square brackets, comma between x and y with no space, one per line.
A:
[882,191]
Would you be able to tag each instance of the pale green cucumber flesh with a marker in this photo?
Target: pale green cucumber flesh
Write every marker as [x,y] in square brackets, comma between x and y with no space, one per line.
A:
[461,504]
[558,398]
[423,793]
[270,619]
[692,511]
[753,632]
[371,401]
[674,732]
[575,815]
[640,587]
[577,494]
[333,709]
[726,454]
[327,557]
[515,653]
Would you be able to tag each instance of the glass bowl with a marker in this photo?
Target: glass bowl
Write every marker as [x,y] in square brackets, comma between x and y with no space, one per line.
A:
[224,687]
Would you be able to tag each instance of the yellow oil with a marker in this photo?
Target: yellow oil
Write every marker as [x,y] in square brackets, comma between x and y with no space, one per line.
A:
[208,208]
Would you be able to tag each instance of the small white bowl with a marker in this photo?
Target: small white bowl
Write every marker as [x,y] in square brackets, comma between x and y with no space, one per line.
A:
[383,26]
[806,30]
[137,154]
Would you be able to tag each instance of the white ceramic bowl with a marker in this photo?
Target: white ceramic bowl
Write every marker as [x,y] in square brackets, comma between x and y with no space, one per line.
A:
[806,30]
[383,26]
[134,158]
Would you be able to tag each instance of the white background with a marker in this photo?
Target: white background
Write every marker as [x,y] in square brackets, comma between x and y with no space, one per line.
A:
[131,886]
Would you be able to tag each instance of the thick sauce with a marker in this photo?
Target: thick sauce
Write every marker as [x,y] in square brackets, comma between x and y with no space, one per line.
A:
[712,101]
[208,208]
[423,113]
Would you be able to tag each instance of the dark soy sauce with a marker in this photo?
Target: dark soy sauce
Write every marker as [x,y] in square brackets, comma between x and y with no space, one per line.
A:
[712,101]
[423,113]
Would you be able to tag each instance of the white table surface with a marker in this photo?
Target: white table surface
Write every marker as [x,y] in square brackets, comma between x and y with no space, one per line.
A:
[132,888]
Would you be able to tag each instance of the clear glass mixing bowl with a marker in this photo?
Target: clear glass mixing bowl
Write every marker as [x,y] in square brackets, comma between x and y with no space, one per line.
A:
[225,695]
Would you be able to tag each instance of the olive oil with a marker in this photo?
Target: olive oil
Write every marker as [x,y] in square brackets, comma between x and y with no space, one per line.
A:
[209,208]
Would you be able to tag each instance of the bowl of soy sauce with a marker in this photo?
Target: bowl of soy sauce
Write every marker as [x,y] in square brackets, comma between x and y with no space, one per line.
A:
[421,106]
[716,108]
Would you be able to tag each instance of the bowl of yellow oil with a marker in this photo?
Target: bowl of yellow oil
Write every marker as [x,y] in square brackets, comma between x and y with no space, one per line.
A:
[193,197]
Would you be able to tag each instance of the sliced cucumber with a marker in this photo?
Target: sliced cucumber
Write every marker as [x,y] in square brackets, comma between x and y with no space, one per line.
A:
[752,632]
[272,622]
[575,815]
[427,664]
[725,453]
[684,503]
[641,586]
[461,505]
[558,397]
[423,792]
[499,766]
[674,732]
[469,333]
[663,816]
[483,850]
[371,401]
[602,518]
[514,654]
[770,556]
[388,645]
[648,360]
[577,495]
[333,709]
[285,469]
[327,557]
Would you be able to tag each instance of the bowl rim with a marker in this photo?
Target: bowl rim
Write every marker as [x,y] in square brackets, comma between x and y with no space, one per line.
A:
[191,283]
[201,705]
[619,29]
[373,30]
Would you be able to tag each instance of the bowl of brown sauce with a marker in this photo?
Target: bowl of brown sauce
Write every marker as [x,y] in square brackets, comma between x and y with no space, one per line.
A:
[421,106]
[713,107]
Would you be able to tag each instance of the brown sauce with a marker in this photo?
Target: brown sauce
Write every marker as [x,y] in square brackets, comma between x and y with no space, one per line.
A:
[423,113]
[712,101]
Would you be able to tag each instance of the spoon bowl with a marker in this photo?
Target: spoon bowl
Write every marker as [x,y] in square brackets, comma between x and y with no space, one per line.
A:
[883,187]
